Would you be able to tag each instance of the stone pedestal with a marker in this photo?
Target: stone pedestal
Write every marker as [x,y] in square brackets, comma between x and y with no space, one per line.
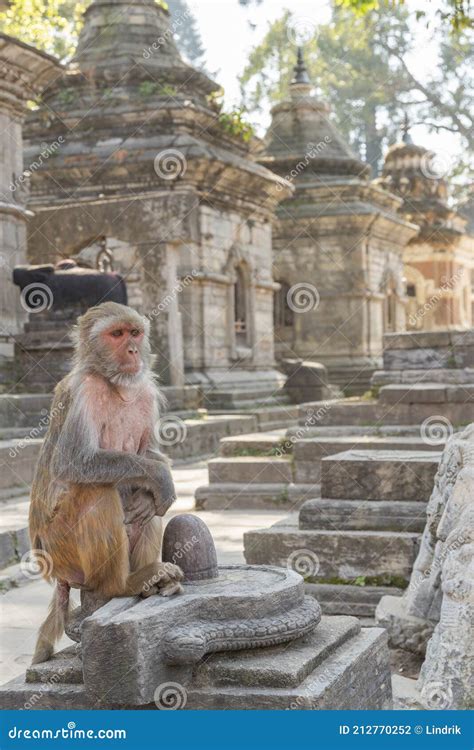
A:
[150,653]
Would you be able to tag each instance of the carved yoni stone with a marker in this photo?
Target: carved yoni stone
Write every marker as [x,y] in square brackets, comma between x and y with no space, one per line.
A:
[160,639]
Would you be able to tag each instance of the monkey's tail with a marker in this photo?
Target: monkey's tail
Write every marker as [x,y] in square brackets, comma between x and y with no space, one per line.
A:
[53,627]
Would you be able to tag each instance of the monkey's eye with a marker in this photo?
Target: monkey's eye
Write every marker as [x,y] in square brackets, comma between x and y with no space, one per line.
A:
[135,332]
[117,333]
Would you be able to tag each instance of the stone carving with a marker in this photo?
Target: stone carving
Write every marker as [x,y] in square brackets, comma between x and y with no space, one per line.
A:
[439,602]
[189,643]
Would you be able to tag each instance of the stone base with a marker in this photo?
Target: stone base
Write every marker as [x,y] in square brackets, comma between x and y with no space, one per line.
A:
[338,666]
[380,560]
[404,630]
[237,389]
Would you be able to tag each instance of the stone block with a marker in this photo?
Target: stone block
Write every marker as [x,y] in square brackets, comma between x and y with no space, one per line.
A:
[379,475]
[254,443]
[325,556]
[405,630]
[244,470]
[360,515]
[430,393]
[309,452]
[350,599]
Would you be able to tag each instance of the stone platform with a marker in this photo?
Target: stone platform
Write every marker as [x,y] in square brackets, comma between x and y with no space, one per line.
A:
[217,646]
[359,540]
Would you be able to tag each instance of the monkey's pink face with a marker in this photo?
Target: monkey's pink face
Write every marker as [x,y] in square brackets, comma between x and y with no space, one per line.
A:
[123,341]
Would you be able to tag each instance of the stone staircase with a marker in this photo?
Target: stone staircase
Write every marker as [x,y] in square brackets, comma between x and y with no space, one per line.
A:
[277,470]
[358,541]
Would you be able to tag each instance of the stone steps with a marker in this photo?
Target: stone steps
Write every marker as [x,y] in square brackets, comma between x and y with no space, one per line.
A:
[17,463]
[334,556]
[256,443]
[246,469]
[309,452]
[379,475]
[254,496]
[427,393]
[370,515]
[14,538]
[358,601]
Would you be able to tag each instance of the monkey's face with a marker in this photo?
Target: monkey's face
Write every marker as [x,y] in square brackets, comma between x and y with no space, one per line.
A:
[123,343]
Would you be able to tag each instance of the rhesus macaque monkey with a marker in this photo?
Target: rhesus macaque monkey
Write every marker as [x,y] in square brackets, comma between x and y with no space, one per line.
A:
[101,483]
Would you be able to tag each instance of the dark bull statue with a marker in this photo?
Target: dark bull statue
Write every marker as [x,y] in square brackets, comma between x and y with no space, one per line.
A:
[66,286]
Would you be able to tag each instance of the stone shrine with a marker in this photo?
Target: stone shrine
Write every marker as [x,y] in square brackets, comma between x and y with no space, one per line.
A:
[337,244]
[151,167]
[24,73]
[439,259]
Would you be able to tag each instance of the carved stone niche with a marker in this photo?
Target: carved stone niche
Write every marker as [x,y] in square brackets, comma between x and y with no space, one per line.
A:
[242,637]
[435,616]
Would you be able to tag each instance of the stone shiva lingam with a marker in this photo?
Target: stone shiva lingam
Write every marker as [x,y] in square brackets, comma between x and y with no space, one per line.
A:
[239,636]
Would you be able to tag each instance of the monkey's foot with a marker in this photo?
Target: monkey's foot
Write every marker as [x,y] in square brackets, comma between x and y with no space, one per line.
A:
[164,581]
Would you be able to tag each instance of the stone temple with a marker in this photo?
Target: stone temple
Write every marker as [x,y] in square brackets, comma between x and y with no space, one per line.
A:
[278,279]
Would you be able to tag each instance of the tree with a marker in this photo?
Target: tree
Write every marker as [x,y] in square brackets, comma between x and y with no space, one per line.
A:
[351,67]
[359,64]
[186,32]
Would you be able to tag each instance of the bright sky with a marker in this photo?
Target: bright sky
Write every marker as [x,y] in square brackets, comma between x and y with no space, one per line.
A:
[228,38]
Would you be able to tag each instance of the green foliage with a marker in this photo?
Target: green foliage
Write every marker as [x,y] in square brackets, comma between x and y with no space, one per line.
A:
[149,88]
[455,12]
[234,123]
[50,25]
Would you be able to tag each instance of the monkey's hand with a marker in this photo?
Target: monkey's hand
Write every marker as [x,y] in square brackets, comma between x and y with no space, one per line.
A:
[162,488]
[138,507]
[166,580]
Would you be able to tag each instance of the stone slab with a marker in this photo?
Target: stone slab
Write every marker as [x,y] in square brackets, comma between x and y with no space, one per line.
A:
[431,393]
[350,599]
[384,515]
[341,682]
[254,443]
[278,666]
[324,556]
[309,452]
[245,469]
[253,496]
[379,475]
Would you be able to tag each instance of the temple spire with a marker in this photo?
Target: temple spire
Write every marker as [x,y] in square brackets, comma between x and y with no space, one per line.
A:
[406,137]
[300,83]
